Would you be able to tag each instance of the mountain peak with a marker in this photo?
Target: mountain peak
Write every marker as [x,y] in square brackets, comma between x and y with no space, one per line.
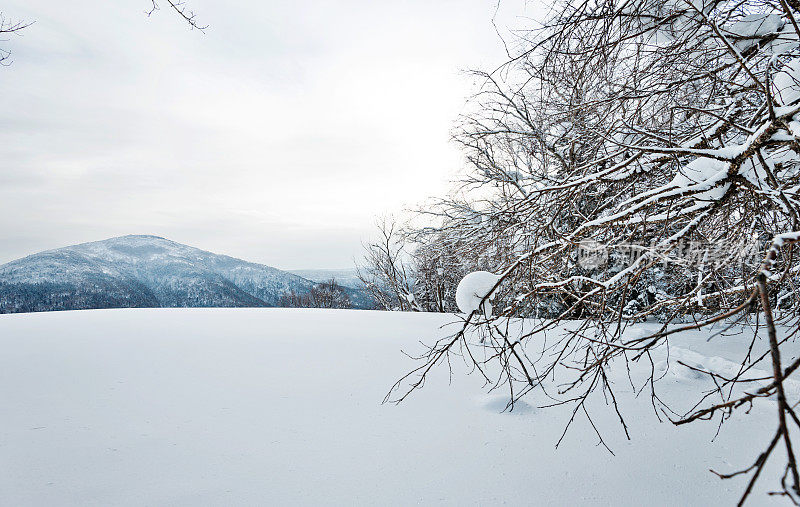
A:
[138,236]
[130,238]
[139,270]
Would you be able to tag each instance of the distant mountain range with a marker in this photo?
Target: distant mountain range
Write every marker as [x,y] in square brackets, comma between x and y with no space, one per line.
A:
[344,277]
[144,271]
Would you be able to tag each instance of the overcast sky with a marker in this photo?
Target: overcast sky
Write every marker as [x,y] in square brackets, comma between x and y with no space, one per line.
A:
[277,136]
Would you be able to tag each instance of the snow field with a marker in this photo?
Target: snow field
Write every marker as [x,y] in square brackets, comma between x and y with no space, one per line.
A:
[283,407]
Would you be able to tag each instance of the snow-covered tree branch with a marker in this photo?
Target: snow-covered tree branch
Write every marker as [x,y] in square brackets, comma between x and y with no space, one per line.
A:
[633,160]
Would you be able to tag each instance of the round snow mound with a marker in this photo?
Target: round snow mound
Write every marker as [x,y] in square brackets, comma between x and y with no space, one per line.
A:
[473,288]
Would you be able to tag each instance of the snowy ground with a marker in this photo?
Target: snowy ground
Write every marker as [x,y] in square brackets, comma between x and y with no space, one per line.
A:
[268,406]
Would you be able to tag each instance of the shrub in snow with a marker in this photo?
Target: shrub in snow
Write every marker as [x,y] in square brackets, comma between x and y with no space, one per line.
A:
[473,288]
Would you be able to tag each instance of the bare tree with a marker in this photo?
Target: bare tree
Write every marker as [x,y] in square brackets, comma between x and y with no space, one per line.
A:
[180,7]
[647,130]
[15,27]
[328,294]
[385,270]
[9,27]
[292,299]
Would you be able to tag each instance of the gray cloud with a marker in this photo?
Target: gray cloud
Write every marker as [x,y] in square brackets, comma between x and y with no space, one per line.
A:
[276,136]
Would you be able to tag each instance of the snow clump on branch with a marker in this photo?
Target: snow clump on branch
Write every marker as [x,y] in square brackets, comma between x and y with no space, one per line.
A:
[473,288]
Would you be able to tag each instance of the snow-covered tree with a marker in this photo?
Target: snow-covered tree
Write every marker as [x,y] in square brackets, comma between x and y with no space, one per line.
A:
[664,135]
[385,270]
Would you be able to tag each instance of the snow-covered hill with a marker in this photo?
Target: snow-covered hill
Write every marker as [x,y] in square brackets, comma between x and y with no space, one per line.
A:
[283,407]
[139,271]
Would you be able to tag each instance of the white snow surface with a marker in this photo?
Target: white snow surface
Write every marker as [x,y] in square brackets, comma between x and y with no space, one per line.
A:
[757,25]
[786,83]
[753,26]
[473,288]
[786,42]
[706,173]
[283,407]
